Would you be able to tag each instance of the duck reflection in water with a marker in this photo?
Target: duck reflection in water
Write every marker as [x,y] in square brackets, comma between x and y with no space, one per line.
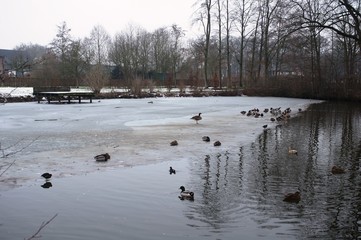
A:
[47,185]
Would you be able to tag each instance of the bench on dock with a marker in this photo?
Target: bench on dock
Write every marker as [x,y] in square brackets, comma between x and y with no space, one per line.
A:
[60,93]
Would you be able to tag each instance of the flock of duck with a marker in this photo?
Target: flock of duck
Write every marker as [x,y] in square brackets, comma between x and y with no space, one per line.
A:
[187,194]
[184,194]
[276,115]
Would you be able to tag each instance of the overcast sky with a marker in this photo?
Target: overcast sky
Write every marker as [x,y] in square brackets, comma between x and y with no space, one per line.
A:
[36,21]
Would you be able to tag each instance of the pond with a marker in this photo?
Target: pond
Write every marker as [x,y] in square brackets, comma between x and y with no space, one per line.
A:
[238,193]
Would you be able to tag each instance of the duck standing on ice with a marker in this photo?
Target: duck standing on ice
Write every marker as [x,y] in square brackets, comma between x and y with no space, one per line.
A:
[197,117]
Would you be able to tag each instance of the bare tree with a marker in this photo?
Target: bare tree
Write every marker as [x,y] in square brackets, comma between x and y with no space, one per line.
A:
[161,54]
[220,47]
[204,17]
[228,47]
[127,53]
[145,42]
[98,45]
[333,17]
[242,17]
[176,50]
[97,77]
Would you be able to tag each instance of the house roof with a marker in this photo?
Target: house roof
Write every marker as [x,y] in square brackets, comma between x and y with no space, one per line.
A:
[10,54]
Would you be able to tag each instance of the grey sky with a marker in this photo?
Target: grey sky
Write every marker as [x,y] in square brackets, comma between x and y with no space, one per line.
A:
[36,21]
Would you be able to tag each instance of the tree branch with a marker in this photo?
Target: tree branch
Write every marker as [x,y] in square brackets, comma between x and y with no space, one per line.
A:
[43,224]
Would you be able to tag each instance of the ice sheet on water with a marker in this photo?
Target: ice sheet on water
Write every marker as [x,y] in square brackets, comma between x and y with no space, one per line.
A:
[132,131]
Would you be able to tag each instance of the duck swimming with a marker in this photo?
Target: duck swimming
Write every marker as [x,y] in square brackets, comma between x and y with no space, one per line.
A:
[185,194]
[337,170]
[292,151]
[292,197]
[197,117]
[102,157]
[171,170]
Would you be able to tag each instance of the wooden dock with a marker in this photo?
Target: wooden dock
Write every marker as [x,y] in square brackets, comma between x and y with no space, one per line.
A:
[61,94]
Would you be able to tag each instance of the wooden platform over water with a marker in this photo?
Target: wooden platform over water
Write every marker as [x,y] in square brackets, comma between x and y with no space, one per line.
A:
[61,94]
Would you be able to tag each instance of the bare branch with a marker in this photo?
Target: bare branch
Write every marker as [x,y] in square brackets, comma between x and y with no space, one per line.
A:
[12,153]
[43,224]
[5,96]
[8,167]
[17,151]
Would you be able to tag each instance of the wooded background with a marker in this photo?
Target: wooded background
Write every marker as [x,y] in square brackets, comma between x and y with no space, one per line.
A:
[294,48]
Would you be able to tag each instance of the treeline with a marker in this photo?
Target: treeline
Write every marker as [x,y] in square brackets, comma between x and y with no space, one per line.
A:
[295,48]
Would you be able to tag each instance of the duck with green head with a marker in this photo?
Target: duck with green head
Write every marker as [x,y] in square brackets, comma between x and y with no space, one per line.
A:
[185,194]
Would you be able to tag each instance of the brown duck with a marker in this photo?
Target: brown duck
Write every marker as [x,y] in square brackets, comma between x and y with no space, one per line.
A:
[292,197]
[337,170]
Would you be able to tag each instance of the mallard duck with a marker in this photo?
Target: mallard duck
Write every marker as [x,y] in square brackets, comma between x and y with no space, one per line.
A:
[292,151]
[243,112]
[206,139]
[197,117]
[217,143]
[337,170]
[46,175]
[292,197]
[171,170]
[185,194]
[174,143]
[102,157]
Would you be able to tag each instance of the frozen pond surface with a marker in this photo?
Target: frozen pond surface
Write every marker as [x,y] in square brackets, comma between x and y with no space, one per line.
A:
[64,138]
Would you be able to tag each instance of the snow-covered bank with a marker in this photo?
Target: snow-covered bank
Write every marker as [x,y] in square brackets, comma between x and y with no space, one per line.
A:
[16,92]
[64,138]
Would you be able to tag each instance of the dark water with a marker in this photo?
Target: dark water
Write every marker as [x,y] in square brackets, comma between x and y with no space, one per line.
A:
[238,193]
